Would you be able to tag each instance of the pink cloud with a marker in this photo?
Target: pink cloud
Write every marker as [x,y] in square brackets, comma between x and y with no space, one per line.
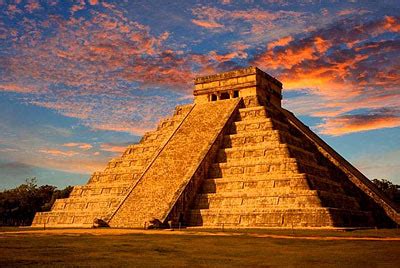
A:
[56,152]
[207,24]
[80,145]
[20,88]
[357,123]
[114,148]
[32,6]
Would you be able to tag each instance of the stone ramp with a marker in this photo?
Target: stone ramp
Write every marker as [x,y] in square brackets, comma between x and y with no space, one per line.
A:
[163,182]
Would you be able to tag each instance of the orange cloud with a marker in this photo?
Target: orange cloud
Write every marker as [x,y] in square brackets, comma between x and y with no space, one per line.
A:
[55,152]
[364,75]
[32,6]
[80,145]
[114,148]
[280,42]
[357,123]
[207,24]
[289,53]
[391,24]
[20,88]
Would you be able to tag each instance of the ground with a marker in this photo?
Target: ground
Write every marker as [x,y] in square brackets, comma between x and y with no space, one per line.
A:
[199,247]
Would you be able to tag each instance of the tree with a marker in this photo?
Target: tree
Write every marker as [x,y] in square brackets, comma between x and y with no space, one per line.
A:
[392,191]
[19,205]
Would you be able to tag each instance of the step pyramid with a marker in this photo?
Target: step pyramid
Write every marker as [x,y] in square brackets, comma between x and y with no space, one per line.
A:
[233,158]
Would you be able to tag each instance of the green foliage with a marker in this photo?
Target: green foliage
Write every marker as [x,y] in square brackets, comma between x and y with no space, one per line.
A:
[392,191]
[19,205]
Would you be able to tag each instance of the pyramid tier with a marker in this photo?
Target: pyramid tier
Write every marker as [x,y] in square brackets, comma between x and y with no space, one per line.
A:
[279,217]
[266,181]
[284,197]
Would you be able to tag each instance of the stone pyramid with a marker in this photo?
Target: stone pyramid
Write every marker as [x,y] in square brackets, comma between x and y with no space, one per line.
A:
[234,158]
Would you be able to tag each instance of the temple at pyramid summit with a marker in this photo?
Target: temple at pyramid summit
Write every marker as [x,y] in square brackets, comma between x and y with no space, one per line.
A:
[233,158]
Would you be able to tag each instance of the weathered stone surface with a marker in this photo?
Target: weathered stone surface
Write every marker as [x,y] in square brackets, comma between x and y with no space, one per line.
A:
[235,158]
[105,190]
[154,194]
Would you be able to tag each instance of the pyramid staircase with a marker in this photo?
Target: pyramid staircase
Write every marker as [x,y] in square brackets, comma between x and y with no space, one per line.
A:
[267,174]
[105,190]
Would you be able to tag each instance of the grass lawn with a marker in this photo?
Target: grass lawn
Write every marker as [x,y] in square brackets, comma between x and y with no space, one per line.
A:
[172,250]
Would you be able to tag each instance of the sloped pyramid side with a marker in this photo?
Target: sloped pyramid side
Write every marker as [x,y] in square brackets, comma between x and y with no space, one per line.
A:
[269,174]
[162,185]
[385,212]
[105,190]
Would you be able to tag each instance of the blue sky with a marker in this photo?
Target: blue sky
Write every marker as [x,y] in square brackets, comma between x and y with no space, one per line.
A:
[80,80]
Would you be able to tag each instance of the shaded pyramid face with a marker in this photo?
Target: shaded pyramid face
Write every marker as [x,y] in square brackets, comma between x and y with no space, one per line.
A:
[233,158]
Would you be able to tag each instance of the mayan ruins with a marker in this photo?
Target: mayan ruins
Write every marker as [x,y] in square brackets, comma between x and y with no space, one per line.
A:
[233,158]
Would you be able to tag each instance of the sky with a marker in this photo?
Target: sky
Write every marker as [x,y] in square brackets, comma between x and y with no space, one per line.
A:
[80,80]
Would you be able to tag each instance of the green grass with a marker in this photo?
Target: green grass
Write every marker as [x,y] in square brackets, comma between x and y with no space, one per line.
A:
[155,250]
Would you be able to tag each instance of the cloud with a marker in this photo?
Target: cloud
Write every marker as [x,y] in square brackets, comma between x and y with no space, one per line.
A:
[20,88]
[280,42]
[255,23]
[93,2]
[80,145]
[115,73]
[114,147]
[207,24]
[32,6]
[56,152]
[96,69]
[346,124]
[362,75]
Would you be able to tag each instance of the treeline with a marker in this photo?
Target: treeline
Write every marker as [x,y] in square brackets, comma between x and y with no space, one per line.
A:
[19,205]
[392,191]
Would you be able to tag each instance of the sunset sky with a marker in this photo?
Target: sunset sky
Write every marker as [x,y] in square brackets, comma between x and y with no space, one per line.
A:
[81,80]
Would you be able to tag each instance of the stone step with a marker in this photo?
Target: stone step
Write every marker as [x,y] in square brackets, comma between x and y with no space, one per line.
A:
[169,123]
[127,163]
[271,137]
[150,147]
[156,135]
[263,182]
[260,150]
[258,112]
[66,219]
[122,170]
[283,165]
[136,152]
[286,217]
[271,158]
[113,177]
[274,198]
[257,124]
[86,204]
[182,110]
[99,189]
